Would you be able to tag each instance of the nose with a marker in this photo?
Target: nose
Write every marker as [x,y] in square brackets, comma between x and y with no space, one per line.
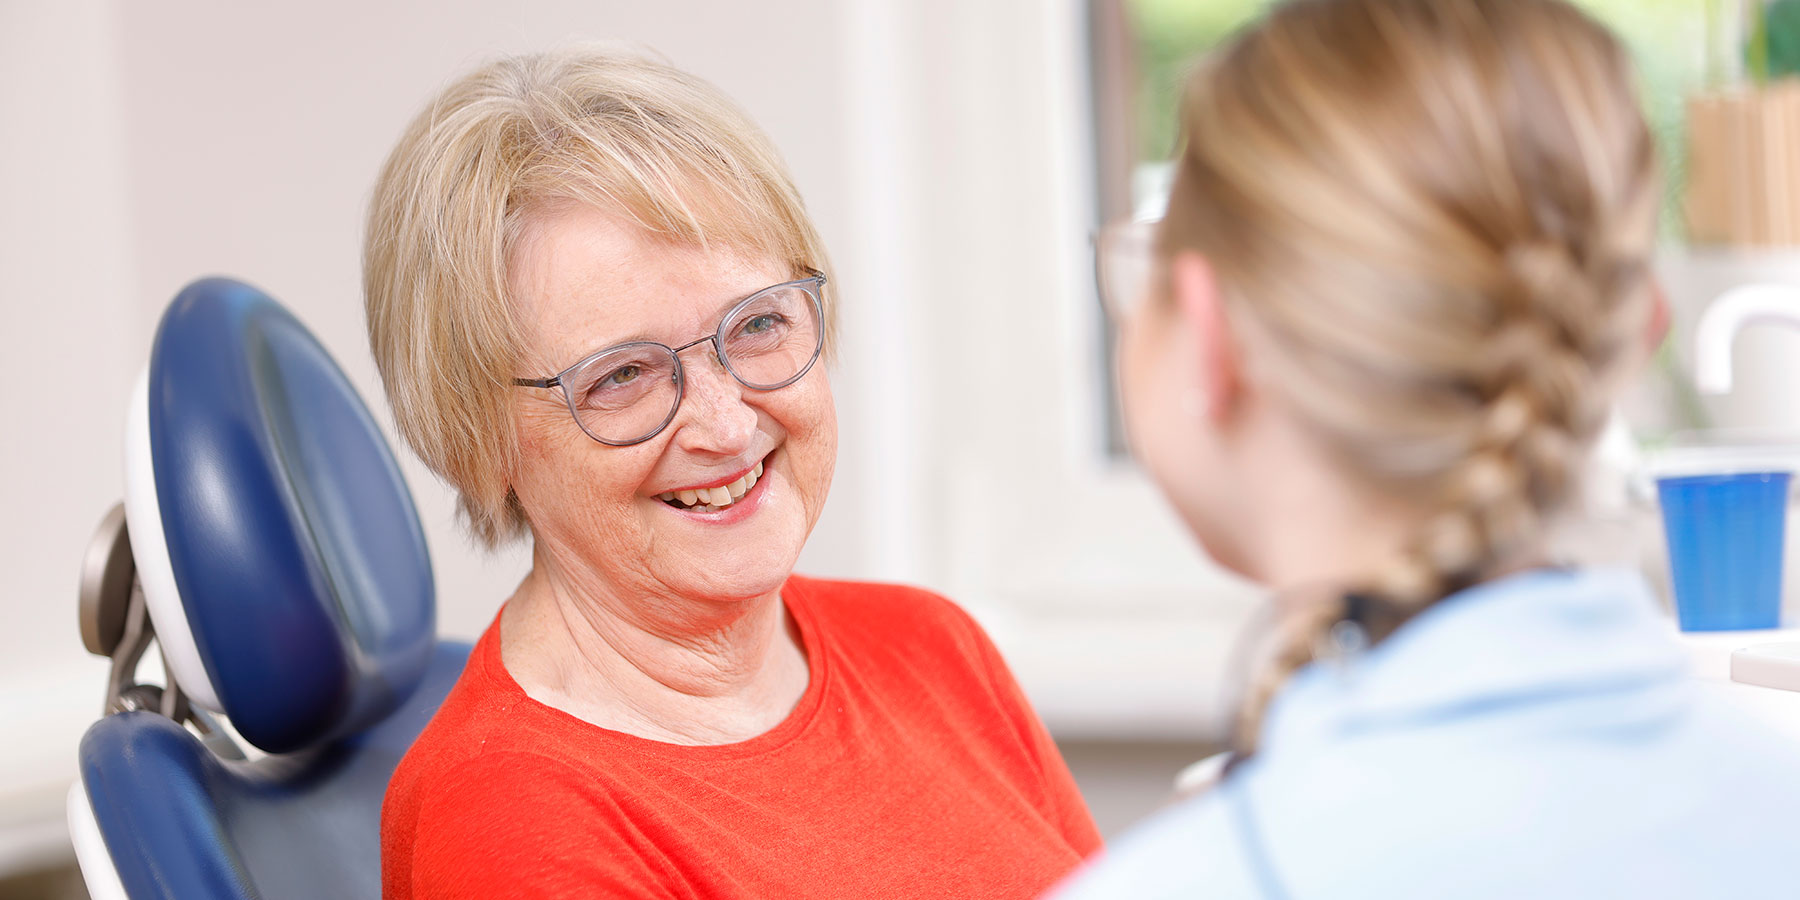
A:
[714,418]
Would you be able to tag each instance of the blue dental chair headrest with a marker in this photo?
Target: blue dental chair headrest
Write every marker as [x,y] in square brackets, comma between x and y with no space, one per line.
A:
[284,574]
[282,561]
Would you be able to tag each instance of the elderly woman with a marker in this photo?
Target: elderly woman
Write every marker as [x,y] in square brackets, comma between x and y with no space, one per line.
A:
[598,308]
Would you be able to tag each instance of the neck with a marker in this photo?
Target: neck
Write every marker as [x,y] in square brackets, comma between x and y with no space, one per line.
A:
[646,661]
[1316,531]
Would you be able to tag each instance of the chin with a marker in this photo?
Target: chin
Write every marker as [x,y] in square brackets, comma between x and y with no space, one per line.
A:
[733,584]
[1219,544]
[751,562]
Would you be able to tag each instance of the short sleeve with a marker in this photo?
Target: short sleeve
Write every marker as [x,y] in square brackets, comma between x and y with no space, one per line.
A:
[520,825]
[1065,805]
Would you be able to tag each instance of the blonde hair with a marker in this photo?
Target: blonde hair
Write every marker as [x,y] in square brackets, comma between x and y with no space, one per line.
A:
[591,125]
[1432,222]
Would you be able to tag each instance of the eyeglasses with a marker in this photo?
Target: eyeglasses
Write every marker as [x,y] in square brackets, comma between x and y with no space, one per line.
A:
[628,393]
[1124,261]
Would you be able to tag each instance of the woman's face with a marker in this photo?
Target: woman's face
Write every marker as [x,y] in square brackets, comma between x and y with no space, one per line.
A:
[585,281]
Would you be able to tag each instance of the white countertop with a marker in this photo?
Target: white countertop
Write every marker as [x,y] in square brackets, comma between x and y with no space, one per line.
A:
[1710,653]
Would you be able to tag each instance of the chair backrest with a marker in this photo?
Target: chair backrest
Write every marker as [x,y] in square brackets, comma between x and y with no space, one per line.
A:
[285,576]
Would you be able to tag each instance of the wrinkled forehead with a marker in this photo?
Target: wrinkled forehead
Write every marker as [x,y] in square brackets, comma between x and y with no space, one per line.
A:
[581,278]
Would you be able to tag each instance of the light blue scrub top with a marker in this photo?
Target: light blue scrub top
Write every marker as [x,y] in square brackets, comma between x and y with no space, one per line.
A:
[1535,737]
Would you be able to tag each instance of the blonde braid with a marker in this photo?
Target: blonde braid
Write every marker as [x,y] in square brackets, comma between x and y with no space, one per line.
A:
[1446,297]
[1545,409]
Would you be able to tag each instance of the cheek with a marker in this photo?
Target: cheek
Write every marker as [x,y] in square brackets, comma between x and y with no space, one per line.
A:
[541,443]
[822,411]
[811,423]
[1173,438]
[808,419]
[564,476]
[1147,388]
[1167,429]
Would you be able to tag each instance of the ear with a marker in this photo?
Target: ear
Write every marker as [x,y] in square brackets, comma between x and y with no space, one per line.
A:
[1201,313]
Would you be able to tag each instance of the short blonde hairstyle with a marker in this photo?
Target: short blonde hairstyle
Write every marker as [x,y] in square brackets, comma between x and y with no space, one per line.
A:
[590,124]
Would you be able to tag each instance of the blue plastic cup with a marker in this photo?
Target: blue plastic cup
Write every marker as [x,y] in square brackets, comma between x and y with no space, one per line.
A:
[1726,534]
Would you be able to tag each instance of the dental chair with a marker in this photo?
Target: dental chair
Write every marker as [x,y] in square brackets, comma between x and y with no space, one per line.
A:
[269,546]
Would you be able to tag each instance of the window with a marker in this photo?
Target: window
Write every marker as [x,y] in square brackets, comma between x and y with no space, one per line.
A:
[1142,49]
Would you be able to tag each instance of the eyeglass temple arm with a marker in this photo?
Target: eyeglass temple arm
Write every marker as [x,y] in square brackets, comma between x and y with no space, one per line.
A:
[555,381]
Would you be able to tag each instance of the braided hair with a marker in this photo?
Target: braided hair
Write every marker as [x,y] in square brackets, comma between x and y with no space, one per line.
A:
[1432,224]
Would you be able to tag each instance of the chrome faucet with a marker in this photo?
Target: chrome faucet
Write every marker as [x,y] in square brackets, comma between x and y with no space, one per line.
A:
[1751,304]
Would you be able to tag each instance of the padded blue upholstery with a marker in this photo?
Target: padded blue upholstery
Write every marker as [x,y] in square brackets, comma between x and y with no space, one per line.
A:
[180,823]
[286,518]
[303,574]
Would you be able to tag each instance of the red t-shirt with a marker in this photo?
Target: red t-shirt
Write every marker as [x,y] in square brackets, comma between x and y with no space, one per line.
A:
[911,767]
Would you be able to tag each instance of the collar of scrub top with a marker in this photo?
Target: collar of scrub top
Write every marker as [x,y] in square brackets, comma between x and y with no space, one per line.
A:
[1545,632]
[1536,634]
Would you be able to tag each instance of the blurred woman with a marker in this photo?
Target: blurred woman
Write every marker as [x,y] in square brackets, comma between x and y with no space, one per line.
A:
[1405,267]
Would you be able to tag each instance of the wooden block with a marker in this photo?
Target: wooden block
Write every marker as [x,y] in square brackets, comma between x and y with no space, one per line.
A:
[1777,185]
[1706,200]
[1756,171]
[1790,106]
[1725,142]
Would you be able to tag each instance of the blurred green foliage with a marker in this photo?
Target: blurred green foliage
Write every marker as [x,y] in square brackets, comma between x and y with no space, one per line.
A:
[1666,37]
[1171,34]
[1776,46]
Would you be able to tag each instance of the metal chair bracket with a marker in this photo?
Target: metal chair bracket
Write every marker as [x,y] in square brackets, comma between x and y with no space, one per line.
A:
[115,623]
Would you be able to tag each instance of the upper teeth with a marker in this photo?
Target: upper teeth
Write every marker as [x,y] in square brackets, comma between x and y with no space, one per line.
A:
[717,497]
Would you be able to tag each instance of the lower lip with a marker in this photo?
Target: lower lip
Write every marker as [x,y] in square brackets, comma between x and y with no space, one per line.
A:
[740,509]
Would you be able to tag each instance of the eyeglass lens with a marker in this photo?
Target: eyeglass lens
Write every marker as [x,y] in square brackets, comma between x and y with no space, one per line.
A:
[631,392]
[1126,262]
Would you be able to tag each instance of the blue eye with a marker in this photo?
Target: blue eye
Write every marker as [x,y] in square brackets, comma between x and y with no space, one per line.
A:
[762,323]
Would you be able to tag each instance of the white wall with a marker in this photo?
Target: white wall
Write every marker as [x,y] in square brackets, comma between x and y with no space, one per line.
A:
[69,325]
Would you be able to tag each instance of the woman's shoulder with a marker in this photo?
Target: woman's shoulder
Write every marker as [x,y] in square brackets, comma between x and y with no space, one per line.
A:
[868,595]
[511,821]
[886,610]
[491,761]
[484,718]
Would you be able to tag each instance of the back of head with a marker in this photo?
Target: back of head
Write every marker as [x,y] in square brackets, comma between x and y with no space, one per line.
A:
[1432,224]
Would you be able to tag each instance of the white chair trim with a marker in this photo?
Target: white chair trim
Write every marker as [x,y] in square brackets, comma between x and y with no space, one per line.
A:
[150,552]
[90,848]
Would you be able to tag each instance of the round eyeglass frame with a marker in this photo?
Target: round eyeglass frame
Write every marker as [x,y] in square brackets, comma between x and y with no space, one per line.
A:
[812,285]
[1125,265]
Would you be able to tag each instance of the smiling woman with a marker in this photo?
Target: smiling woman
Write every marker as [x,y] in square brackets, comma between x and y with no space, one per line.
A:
[581,276]
[662,708]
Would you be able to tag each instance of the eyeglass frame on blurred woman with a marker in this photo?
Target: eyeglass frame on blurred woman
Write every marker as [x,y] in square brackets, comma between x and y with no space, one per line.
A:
[812,286]
[1124,265]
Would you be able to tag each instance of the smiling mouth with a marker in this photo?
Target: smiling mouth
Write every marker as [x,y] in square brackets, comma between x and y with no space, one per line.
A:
[714,499]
